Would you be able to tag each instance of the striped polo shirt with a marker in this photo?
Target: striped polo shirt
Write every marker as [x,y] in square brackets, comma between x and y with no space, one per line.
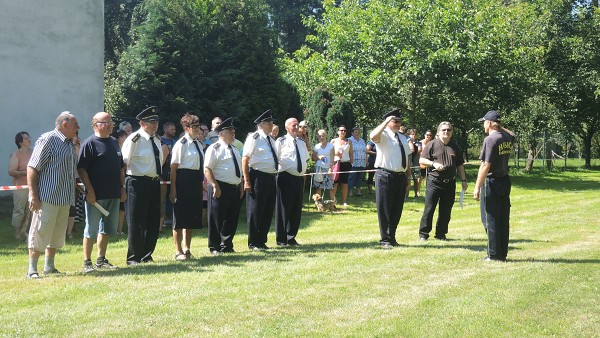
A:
[55,160]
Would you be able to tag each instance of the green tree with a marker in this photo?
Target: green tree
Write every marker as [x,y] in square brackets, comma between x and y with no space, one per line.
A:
[211,58]
[575,62]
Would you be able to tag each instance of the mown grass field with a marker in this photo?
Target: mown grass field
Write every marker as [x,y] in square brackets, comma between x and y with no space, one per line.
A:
[339,282]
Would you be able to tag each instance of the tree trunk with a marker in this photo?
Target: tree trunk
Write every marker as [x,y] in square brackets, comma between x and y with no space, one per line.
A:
[530,156]
[549,156]
[587,149]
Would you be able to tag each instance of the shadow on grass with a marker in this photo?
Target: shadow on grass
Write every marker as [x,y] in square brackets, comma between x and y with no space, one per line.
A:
[555,260]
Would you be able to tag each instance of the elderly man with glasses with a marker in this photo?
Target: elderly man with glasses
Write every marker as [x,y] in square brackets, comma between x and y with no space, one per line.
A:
[445,159]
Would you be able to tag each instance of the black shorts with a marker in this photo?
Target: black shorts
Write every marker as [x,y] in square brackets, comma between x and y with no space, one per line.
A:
[343,177]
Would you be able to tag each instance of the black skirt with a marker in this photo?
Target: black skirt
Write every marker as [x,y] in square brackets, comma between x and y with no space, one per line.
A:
[187,209]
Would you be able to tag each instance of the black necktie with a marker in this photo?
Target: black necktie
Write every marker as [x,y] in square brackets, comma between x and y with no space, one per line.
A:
[298,163]
[403,152]
[199,154]
[237,167]
[273,152]
[156,156]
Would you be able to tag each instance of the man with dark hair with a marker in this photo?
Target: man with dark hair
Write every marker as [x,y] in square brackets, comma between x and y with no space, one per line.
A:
[101,170]
[493,185]
[51,181]
[445,157]
[392,177]
[143,156]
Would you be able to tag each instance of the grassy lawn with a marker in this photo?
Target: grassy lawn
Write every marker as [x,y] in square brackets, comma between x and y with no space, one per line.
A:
[339,282]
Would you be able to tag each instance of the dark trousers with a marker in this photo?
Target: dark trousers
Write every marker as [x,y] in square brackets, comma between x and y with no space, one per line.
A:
[142,209]
[389,198]
[260,205]
[289,206]
[223,215]
[437,192]
[495,214]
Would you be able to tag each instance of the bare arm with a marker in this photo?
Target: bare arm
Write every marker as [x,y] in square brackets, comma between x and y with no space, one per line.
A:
[33,181]
[246,171]
[463,176]
[173,179]
[13,165]
[210,177]
[166,152]
[351,153]
[481,175]
[376,133]
[90,194]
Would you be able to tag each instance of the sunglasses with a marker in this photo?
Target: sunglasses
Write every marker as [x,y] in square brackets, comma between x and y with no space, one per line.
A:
[342,130]
[447,130]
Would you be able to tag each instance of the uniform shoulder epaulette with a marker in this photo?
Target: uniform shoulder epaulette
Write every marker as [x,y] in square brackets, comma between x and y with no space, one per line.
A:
[255,135]
[135,138]
[184,140]
[216,145]
[281,139]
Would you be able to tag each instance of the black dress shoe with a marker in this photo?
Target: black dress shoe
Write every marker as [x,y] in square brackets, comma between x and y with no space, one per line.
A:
[282,244]
[215,252]
[423,238]
[441,238]
[255,248]
[230,250]
[490,259]
[293,242]
[131,263]
[264,247]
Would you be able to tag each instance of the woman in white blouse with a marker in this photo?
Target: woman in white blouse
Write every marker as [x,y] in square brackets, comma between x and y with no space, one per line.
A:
[186,186]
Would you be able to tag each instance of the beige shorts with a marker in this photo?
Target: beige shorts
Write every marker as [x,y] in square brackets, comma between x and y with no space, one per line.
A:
[48,227]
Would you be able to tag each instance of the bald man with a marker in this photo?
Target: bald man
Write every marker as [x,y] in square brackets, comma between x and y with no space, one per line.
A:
[101,170]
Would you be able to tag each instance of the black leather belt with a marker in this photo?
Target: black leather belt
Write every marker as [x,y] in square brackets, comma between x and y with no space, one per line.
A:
[391,171]
[155,178]
[262,172]
[441,180]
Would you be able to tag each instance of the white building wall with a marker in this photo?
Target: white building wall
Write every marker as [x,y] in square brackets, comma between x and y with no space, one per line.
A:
[51,60]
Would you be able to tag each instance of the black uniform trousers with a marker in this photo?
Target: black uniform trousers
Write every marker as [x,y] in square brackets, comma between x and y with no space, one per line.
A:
[288,210]
[495,214]
[223,215]
[142,209]
[260,205]
[389,198]
[442,192]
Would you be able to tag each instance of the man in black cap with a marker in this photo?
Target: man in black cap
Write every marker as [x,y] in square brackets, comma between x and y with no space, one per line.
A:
[143,155]
[260,165]
[392,175]
[292,154]
[493,185]
[222,168]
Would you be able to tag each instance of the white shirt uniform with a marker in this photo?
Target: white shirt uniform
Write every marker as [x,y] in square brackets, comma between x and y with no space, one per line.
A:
[286,152]
[139,155]
[185,153]
[389,155]
[219,158]
[258,151]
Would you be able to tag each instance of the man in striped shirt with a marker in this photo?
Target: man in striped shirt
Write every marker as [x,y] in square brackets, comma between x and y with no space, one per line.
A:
[51,181]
